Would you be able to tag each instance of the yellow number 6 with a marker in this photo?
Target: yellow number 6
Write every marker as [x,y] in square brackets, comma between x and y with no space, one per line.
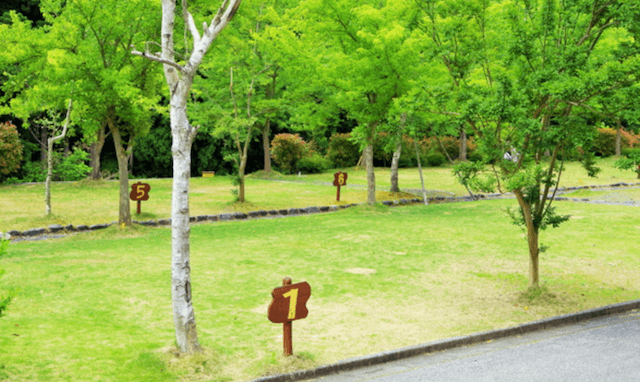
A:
[293,301]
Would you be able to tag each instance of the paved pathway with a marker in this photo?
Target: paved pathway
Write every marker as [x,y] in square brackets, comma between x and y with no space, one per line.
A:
[602,349]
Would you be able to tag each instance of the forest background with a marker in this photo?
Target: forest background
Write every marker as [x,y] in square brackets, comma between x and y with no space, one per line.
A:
[385,74]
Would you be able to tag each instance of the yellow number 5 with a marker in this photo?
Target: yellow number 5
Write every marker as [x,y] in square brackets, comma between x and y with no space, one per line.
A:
[293,301]
[140,190]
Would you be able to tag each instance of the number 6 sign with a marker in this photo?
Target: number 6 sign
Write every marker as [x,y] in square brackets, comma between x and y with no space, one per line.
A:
[288,304]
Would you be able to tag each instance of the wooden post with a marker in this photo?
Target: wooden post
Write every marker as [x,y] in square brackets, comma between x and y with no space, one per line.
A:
[287,341]
[139,203]
[338,195]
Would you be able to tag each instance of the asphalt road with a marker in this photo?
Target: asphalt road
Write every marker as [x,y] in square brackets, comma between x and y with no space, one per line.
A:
[602,349]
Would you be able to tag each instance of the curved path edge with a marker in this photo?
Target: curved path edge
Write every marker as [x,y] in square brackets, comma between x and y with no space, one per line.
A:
[450,343]
[57,230]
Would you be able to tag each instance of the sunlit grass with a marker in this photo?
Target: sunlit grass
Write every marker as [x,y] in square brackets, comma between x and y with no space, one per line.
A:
[97,306]
[91,202]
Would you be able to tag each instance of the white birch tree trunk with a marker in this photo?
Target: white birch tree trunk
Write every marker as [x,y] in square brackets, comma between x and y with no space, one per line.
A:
[50,141]
[179,78]
[182,134]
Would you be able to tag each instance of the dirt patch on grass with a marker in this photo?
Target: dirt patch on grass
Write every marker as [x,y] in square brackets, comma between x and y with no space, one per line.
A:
[361,271]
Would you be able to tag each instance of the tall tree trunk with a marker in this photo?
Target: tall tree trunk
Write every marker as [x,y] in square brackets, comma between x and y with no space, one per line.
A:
[424,192]
[96,150]
[43,145]
[67,151]
[394,167]
[395,161]
[131,163]
[532,239]
[50,141]
[371,176]
[619,138]
[463,145]
[124,214]
[266,145]
[183,134]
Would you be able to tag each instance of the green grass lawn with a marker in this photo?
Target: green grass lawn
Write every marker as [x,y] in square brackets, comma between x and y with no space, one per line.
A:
[92,202]
[97,306]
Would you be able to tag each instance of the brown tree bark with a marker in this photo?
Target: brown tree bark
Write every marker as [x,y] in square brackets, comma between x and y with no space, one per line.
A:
[463,145]
[122,153]
[95,150]
[266,145]
[532,239]
[619,138]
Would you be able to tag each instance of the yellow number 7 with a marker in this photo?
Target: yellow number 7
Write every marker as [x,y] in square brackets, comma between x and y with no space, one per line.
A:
[293,301]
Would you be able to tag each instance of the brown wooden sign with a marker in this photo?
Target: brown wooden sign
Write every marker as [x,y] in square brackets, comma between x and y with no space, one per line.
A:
[288,302]
[139,192]
[340,179]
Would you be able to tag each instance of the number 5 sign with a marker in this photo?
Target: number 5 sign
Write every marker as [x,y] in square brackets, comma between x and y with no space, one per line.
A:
[288,304]
[139,191]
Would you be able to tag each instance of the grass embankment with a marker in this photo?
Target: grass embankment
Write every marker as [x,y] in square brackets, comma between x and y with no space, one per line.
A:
[97,306]
[93,202]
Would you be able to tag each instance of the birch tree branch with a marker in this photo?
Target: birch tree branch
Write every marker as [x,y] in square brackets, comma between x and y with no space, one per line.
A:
[153,57]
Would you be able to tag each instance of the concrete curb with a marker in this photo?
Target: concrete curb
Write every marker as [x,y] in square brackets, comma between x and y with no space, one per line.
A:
[450,343]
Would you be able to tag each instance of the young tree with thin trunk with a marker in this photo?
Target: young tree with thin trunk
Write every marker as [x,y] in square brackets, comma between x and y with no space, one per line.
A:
[179,77]
[50,142]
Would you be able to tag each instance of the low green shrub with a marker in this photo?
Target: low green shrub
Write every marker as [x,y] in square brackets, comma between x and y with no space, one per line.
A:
[342,151]
[10,148]
[287,150]
[313,164]
[604,144]
[73,167]
[435,159]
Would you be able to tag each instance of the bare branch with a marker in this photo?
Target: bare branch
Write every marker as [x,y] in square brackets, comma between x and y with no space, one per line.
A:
[193,29]
[158,59]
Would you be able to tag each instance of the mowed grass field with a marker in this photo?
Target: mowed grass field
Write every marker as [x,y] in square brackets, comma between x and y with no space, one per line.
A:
[94,202]
[96,306]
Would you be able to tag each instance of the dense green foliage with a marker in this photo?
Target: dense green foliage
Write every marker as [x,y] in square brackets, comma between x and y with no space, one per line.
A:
[287,150]
[10,149]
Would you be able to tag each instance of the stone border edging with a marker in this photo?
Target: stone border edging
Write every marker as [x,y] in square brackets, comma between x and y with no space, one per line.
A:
[69,229]
[450,343]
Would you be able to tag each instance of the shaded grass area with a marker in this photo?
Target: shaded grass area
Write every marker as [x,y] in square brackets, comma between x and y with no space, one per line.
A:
[97,306]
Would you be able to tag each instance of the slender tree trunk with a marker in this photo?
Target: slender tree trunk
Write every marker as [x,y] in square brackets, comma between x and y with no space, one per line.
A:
[131,163]
[43,145]
[619,138]
[124,214]
[47,183]
[266,145]
[394,167]
[424,192]
[371,176]
[183,134]
[532,239]
[463,145]
[96,150]
[395,161]
[50,141]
